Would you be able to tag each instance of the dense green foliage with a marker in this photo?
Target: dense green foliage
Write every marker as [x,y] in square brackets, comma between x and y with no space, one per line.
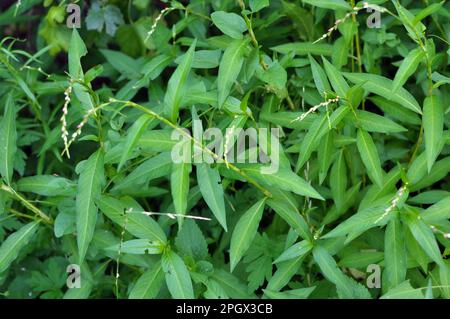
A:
[362,191]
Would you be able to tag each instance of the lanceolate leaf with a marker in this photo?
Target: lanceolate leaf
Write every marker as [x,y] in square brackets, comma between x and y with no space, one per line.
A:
[329,4]
[178,279]
[149,284]
[244,232]
[425,238]
[179,185]
[407,68]
[89,189]
[176,85]
[229,68]
[433,125]
[369,156]
[212,191]
[134,133]
[11,247]
[382,86]
[8,140]
[338,82]
[395,253]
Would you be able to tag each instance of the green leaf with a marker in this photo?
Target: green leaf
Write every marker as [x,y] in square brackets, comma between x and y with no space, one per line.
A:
[148,284]
[304,48]
[425,238]
[382,86]
[134,133]
[437,212]
[157,166]
[89,189]
[331,271]
[338,180]
[297,250]
[8,140]
[178,279]
[372,122]
[403,291]
[369,156]
[338,82]
[47,185]
[407,68]
[395,253]
[285,206]
[77,50]
[230,24]
[212,191]
[229,68]
[179,185]
[329,4]
[361,221]
[11,247]
[257,5]
[176,86]
[244,232]
[320,79]
[433,126]
[285,179]
[138,224]
[138,247]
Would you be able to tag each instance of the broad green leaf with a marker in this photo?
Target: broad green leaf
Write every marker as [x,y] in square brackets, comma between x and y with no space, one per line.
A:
[372,122]
[319,76]
[47,185]
[133,135]
[304,48]
[425,238]
[77,50]
[229,69]
[90,183]
[178,279]
[403,291]
[337,81]
[433,126]
[138,224]
[297,250]
[407,68]
[8,140]
[244,232]
[369,156]
[361,221]
[444,276]
[124,64]
[395,110]
[179,185]
[301,293]
[437,212]
[148,284]
[285,271]
[176,87]
[395,253]
[338,180]
[230,24]
[157,166]
[331,271]
[285,179]
[211,188]
[382,86]
[285,206]
[11,247]
[329,4]
[257,5]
